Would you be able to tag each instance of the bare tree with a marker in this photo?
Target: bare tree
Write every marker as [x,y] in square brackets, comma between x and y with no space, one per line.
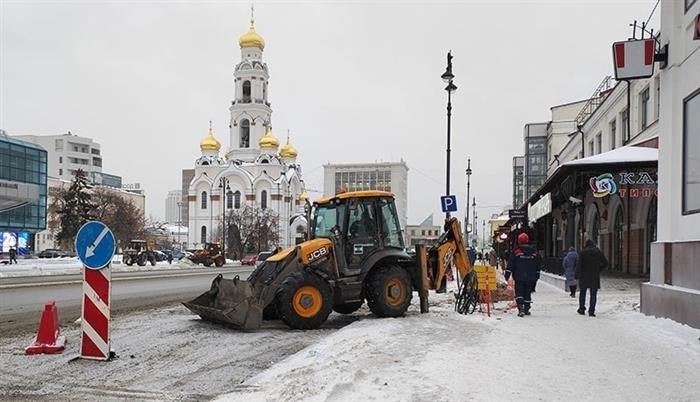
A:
[119,214]
[251,230]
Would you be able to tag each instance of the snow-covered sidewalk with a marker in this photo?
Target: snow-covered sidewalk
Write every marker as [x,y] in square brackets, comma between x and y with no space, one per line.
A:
[553,355]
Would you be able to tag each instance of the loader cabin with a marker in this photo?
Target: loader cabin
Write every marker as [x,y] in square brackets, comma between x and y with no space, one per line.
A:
[362,221]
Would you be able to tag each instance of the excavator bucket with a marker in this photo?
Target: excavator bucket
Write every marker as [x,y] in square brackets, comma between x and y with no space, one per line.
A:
[229,302]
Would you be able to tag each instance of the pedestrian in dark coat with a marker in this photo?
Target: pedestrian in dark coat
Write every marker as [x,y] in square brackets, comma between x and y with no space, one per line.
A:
[13,255]
[569,264]
[591,262]
[525,264]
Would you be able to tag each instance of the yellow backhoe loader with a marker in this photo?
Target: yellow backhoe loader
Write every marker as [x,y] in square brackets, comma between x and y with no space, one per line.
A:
[355,254]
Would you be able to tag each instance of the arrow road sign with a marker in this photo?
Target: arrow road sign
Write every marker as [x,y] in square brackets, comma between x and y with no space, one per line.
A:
[94,245]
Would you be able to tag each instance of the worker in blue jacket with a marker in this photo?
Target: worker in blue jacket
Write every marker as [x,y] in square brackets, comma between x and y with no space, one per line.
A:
[525,264]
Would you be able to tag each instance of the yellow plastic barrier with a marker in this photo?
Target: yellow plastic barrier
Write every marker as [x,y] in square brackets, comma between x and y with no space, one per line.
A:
[486,273]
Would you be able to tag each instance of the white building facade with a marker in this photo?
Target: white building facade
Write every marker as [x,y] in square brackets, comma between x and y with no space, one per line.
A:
[674,285]
[254,170]
[67,153]
[173,205]
[383,176]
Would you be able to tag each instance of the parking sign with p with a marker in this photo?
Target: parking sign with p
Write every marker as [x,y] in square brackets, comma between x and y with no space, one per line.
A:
[449,203]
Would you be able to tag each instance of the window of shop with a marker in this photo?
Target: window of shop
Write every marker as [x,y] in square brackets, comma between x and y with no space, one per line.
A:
[691,153]
[595,228]
[651,232]
[618,230]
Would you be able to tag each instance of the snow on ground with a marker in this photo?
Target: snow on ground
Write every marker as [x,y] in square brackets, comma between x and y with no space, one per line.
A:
[555,354]
[72,265]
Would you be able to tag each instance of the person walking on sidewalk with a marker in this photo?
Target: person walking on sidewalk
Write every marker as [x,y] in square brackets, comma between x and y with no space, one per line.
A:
[569,264]
[590,262]
[13,255]
[525,264]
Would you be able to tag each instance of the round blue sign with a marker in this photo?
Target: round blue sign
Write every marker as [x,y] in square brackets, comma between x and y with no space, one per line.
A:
[94,245]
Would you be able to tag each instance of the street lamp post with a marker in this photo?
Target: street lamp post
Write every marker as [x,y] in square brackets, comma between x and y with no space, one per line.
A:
[447,76]
[179,224]
[225,188]
[483,234]
[475,217]
[466,218]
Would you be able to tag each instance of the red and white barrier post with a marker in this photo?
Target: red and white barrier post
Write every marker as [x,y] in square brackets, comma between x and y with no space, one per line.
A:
[95,246]
[95,337]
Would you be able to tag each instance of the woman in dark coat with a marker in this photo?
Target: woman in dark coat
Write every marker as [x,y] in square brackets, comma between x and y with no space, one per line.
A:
[569,264]
[590,262]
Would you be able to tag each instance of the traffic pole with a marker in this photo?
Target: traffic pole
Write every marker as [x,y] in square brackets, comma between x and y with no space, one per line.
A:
[95,341]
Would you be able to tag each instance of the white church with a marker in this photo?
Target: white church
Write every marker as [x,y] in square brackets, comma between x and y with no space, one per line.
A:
[254,170]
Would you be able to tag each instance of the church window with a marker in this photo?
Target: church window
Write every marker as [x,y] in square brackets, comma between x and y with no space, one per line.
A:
[204,200]
[246,91]
[237,199]
[263,199]
[265,91]
[229,199]
[245,134]
[203,235]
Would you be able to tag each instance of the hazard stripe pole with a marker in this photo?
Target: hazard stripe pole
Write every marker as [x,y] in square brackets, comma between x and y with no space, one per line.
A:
[95,318]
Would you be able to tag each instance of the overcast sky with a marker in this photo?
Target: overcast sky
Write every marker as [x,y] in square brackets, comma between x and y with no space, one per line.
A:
[352,81]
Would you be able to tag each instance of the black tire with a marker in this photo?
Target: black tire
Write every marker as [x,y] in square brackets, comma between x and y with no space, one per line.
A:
[152,260]
[270,312]
[219,262]
[347,308]
[207,263]
[304,301]
[388,291]
[141,260]
[129,261]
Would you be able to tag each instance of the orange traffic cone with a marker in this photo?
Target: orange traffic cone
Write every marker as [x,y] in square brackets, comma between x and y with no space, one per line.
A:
[49,338]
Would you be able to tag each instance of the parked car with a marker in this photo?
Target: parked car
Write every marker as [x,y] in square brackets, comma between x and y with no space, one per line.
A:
[249,259]
[55,253]
[178,255]
[160,255]
[261,257]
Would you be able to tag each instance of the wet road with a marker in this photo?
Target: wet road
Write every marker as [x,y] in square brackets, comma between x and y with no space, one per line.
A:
[22,299]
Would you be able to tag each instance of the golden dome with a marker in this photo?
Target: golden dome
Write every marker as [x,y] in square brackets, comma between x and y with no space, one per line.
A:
[303,196]
[288,151]
[251,38]
[209,143]
[269,140]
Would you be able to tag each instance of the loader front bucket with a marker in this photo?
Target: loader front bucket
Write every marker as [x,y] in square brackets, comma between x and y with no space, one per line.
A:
[229,302]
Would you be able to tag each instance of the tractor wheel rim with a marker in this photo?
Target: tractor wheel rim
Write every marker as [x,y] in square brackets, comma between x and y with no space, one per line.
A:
[395,291]
[307,301]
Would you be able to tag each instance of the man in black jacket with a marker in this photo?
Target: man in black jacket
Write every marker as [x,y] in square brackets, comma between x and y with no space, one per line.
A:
[525,264]
[590,262]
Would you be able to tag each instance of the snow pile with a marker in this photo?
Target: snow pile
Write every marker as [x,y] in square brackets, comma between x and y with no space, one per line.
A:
[555,354]
[72,265]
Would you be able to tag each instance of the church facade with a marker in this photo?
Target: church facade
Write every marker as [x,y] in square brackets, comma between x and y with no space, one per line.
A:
[254,171]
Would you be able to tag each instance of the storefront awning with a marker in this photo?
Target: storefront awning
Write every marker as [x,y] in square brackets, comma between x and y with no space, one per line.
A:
[626,157]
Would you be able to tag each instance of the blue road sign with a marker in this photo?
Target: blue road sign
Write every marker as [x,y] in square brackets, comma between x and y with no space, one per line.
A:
[449,203]
[95,245]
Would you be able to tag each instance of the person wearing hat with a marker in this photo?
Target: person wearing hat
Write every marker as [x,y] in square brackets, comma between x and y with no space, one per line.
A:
[590,262]
[525,264]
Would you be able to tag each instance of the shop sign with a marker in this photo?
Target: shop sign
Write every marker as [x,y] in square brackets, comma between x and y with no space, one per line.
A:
[516,214]
[638,184]
[541,208]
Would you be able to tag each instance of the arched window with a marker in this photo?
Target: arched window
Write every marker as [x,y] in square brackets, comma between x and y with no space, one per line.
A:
[617,240]
[263,199]
[246,91]
[265,92]
[237,199]
[229,199]
[203,235]
[245,134]
[204,200]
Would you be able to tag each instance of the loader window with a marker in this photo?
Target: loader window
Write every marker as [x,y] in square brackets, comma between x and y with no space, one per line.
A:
[326,217]
[391,230]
